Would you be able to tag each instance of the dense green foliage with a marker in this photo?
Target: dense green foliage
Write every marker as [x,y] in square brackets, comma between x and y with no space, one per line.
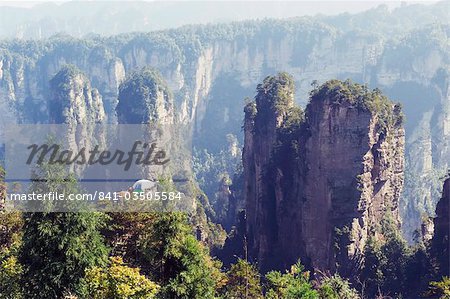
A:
[276,93]
[359,96]
[10,274]
[118,281]
[400,52]
[243,282]
[335,287]
[61,81]
[178,261]
[138,96]
[290,285]
[392,267]
[440,289]
[57,248]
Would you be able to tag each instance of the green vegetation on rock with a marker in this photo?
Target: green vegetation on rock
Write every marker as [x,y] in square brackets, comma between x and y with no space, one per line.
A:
[361,97]
[276,93]
[138,96]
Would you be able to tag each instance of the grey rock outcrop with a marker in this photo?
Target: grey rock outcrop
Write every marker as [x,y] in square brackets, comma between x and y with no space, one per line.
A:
[440,243]
[317,187]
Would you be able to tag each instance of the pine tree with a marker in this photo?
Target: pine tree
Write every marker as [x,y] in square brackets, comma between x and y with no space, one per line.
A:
[243,282]
[291,285]
[58,247]
[181,264]
[335,287]
[386,262]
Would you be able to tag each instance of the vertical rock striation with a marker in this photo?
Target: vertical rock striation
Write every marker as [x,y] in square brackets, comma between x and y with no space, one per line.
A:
[318,185]
[73,100]
[440,242]
[74,103]
[263,118]
[144,99]
[354,158]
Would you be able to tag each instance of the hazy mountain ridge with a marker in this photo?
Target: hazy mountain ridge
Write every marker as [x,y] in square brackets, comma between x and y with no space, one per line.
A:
[79,18]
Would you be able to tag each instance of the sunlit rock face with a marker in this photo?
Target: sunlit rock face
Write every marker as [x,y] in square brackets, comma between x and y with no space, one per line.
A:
[73,100]
[317,186]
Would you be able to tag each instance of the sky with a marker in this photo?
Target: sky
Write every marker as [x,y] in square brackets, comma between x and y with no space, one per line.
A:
[310,7]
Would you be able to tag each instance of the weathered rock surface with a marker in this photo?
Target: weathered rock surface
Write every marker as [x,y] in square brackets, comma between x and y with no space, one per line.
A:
[145,98]
[440,242]
[317,188]
[79,107]
[73,100]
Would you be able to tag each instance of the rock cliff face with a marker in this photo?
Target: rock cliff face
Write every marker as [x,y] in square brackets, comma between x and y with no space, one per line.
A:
[145,98]
[194,60]
[317,187]
[263,120]
[440,242]
[74,103]
[427,138]
[73,100]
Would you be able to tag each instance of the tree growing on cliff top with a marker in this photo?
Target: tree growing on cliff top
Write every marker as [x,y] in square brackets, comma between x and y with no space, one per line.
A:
[138,96]
[361,97]
[276,92]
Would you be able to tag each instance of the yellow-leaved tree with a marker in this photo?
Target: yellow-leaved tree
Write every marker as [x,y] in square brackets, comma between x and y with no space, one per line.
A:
[118,281]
